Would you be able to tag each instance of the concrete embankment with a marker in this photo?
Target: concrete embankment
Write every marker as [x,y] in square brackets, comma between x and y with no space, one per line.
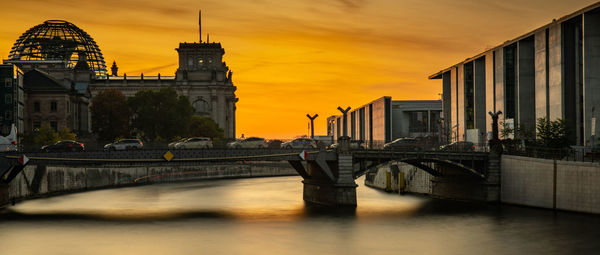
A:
[38,181]
[400,177]
[553,184]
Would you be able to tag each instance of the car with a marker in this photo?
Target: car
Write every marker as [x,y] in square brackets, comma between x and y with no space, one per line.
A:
[195,143]
[355,144]
[66,145]
[9,142]
[125,144]
[403,144]
[173,145]
[300,143]
[458,146]
[250,142]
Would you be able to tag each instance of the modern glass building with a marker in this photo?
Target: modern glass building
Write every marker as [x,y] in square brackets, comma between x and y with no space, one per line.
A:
[551,72]
[383,120]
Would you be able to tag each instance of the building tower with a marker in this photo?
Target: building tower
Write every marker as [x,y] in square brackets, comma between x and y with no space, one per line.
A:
[211,90]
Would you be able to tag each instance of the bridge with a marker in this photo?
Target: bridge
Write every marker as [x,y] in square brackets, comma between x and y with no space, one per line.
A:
[328,175]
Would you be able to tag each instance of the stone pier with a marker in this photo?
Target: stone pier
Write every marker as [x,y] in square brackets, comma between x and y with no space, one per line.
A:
[332,184]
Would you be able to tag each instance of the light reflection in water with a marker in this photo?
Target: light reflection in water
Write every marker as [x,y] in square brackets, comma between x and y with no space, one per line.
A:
[268,216]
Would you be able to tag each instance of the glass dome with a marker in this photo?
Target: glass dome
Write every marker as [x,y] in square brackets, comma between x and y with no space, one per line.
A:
[59,40]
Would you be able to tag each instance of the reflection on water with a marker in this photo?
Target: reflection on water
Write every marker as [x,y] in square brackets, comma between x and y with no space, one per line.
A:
[268,216]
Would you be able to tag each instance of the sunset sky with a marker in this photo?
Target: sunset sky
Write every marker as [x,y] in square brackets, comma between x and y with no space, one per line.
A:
[290,58]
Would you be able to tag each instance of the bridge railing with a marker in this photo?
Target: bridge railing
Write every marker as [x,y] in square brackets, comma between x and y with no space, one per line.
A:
[574,153]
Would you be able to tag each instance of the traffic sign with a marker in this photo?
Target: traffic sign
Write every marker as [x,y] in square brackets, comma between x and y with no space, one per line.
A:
[303,155]
[23,159]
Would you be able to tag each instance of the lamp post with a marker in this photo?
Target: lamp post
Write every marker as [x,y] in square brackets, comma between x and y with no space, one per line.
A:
[345,113]
[312,124]
[495,142]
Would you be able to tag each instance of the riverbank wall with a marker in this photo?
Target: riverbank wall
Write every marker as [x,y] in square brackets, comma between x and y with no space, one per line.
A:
[543,183]
[40,181]
[400,177]
[552,184]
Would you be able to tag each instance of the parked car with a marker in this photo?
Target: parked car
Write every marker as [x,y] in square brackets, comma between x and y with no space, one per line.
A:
[195,143]
[173,145]
[66,145]
[274,144]
[458,146]
[250,142]
[125,144]
[403,144]
[353,145]
[300,143]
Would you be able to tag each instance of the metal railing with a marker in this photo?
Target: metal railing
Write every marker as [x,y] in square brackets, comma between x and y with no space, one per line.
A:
[581,154]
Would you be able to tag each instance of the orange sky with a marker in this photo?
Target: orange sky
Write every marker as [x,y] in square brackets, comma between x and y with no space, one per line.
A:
[290,58]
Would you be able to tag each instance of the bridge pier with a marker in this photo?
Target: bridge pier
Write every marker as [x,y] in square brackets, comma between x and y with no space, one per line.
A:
[331,183]
[329,194]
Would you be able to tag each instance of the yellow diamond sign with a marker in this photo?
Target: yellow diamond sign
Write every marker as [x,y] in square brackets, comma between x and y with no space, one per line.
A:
[168,156]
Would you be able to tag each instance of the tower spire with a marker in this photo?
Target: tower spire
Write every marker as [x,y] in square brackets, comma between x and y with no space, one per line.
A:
[200,25]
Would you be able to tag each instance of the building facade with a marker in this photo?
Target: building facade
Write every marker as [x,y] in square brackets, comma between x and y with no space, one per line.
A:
[383,120]
[552,72]
[65,60]
[12,99]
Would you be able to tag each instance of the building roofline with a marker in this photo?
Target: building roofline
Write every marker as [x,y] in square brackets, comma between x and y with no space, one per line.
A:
[596,5]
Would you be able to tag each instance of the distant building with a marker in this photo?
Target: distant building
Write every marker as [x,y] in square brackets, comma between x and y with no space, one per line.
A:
[60,104]
[12,101]
[65,60]
[384,120]
[551,72]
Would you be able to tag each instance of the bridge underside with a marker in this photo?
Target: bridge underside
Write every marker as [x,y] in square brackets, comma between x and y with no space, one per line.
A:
[328,176]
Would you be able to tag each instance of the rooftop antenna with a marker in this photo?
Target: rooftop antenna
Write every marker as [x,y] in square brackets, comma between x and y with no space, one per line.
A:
[200,24]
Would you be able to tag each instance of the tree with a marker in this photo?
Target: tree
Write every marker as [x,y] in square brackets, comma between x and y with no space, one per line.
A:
[205,127]
[160,113]
[66,134]
[110,115]
[45,135]
[552,134]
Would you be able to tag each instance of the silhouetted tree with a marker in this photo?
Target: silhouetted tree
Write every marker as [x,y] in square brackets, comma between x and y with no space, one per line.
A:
[110,115]
[160,114]
[205,127]
[552,134]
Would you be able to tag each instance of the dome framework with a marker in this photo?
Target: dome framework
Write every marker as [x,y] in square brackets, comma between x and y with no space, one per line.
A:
[59,40]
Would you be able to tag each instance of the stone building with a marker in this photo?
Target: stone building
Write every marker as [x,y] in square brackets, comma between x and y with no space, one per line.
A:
[66,68]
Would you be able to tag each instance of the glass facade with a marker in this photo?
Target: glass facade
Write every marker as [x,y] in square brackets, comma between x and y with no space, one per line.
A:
[510,81]
[469,97]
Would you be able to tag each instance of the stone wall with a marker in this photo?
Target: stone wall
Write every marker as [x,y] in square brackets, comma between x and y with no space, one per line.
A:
[563,185]
[415,180]
[36,181]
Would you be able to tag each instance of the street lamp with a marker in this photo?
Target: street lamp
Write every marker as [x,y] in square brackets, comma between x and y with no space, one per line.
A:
[344,112]
[312,124]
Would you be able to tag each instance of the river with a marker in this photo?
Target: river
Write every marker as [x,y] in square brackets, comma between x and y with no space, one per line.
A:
[268,216]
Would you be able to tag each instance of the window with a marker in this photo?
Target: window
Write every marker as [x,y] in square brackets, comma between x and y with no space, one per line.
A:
[7,82]
[190,62]
[37,125]
[8,99]
[54,125]
[201,106]
[36,106]
[7,115]
[417,122]
[53,106]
